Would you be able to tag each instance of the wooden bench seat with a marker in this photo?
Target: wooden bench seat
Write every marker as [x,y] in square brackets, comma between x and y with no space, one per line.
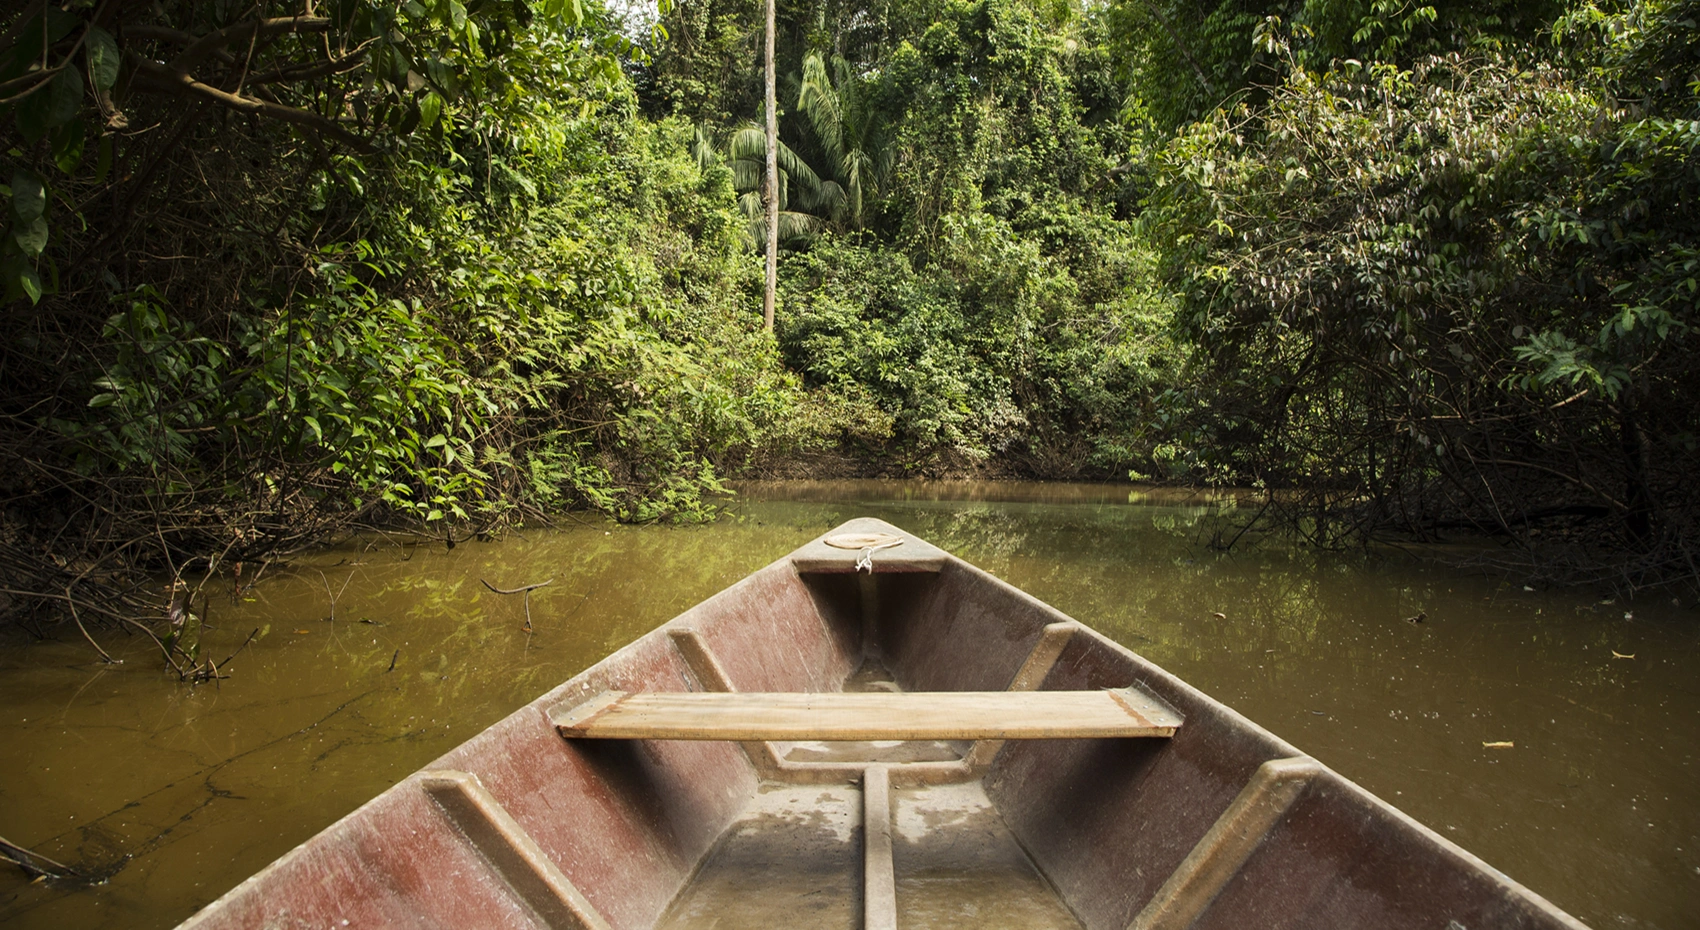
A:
[923,715]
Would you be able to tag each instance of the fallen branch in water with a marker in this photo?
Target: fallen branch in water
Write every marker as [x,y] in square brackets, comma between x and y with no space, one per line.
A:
[519,590]
[99,873]
[523,589]
[34,863]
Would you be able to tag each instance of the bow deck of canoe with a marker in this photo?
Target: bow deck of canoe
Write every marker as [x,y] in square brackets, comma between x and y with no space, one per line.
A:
[919,745]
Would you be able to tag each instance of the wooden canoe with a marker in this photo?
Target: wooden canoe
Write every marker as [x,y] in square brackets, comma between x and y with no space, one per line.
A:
[917,745]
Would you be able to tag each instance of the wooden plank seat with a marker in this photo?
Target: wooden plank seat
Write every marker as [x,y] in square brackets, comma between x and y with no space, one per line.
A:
[912,715]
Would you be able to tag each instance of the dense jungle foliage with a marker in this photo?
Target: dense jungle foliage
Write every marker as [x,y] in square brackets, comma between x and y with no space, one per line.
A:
[277,270]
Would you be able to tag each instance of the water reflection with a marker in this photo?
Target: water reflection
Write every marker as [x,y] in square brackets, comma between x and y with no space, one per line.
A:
[180,792]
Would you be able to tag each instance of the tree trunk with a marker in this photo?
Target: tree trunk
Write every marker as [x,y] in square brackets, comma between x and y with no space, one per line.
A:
[1638,497]
[771,181]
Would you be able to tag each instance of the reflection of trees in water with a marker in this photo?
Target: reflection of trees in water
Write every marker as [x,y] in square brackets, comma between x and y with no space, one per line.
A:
[984,532]
[1142,574]
[1144,577]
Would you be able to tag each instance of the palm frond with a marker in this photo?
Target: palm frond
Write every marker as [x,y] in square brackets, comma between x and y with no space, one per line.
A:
[748,151]
[702,149]
[794,226]
[819,101]
[748,141]
[828,197]
[746,174]
[855,140]
[790,163]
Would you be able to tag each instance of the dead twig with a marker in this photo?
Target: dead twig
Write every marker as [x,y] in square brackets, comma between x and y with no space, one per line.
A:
[523,589]
[338,595]
[211,670]
[520,590]
[72,603]
[34,863]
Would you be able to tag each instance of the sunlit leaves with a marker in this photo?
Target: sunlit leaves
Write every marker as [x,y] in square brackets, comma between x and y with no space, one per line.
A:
[430,107]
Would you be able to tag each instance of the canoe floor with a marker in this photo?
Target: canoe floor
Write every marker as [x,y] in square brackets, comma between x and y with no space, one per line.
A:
[794,859]
[795,856]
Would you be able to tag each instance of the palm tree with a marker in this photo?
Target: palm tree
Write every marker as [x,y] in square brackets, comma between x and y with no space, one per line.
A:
[792,181]
[853,138]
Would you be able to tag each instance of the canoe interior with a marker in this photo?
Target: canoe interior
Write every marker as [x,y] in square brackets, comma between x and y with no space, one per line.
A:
[1046,833]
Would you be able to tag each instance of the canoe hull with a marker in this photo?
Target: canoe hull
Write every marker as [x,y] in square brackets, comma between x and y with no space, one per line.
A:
[1106,822]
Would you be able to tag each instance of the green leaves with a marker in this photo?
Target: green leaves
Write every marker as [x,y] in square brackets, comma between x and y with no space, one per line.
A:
[63,97]
[103,58]
[30,235]
[1467,271]
[68,146]
[29,196]
[26,238]
[430,107]
[569,11]
[29,283]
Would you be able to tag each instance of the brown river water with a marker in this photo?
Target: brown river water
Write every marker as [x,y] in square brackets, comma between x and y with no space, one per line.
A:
[178,792]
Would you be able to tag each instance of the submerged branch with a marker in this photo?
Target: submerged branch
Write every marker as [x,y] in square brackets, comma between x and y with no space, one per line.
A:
[34,863]
[520,590]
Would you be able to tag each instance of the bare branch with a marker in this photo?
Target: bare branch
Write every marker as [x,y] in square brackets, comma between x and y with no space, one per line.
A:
[519,590]
[213,41]
[307,71]
[170,81]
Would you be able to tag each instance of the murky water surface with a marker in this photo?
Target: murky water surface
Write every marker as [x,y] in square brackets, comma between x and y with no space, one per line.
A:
[180,792]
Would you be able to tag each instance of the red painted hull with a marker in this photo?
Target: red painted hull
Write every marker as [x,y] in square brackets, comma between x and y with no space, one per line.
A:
[638,827]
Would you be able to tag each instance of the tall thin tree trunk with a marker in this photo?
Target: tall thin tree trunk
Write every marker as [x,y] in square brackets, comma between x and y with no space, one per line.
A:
[771,193]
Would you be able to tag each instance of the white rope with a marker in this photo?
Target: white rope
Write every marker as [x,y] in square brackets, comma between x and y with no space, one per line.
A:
[866,561]
[868,543]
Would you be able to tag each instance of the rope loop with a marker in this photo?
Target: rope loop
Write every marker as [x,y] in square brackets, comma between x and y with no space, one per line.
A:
[868,543]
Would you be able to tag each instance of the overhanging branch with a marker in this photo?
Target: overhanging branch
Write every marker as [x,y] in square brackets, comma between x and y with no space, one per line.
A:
[214,41]
[168,80]
[312,70]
